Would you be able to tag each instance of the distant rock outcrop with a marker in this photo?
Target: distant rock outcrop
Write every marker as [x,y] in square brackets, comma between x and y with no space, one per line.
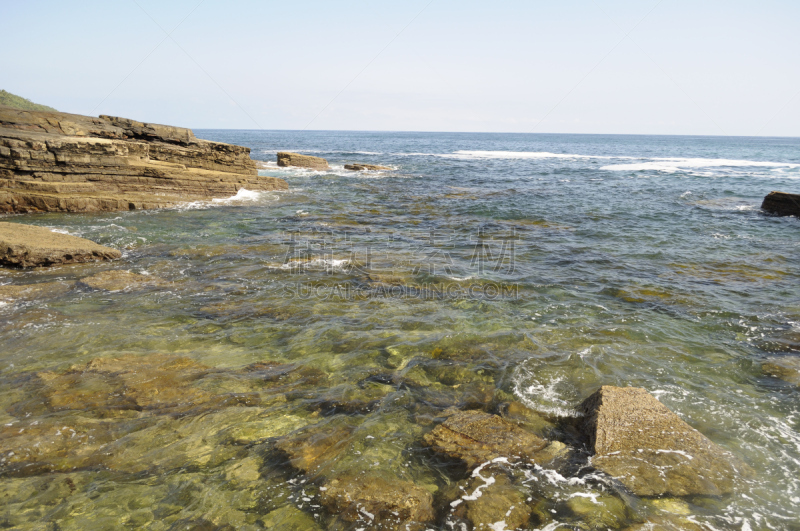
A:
[648,448]
[286,158]
[782,204]
[51,161]
[30,246]
[362,167]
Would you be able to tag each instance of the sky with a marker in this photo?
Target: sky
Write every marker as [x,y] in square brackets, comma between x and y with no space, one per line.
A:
[686,67]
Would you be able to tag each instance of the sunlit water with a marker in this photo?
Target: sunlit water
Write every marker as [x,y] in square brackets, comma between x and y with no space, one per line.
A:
[491,267]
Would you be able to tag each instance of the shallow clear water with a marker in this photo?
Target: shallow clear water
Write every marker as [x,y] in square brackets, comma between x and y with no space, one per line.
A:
[488,267]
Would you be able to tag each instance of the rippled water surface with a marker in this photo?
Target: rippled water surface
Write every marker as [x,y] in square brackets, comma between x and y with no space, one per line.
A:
[481,270]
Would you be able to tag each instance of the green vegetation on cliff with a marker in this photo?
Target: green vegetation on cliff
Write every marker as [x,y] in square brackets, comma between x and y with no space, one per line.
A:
[18,102]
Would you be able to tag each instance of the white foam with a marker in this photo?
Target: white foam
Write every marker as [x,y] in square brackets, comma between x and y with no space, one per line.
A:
[467,155]
[675,164]
[241,195]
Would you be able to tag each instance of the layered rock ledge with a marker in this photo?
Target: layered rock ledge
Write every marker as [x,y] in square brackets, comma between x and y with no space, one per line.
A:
[51,161]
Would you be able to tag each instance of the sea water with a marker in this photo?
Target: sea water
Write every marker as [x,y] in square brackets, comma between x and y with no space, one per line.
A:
[533,268]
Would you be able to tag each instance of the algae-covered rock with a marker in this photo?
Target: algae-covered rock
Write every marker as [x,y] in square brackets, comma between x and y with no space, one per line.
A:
[492,500]
[289,518]
[120,280]
[598,511]
[28,292]
[647,447]
[30,246]
[311,447]
[787,368]
[476,437]
[667,523]
[377,501]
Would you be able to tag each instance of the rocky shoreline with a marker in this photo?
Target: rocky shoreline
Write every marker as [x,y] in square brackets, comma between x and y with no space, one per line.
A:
[58,162]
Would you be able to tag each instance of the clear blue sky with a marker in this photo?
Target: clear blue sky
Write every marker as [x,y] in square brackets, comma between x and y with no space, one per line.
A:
[573,66]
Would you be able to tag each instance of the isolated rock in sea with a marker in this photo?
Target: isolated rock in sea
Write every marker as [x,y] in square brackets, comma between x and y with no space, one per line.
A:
[787,368]
[782,204]
[378,502]
[30,246]
[648,448]
[362,167]
[119,280]
[302,161]
[476,437]
[51,161]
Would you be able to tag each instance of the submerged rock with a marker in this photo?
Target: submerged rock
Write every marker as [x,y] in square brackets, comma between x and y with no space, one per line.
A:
[362,167]
[314,446]
[647,447]
[476,437]
[119,280]
[289,518]
[786,368]
[492,500]
[27,292]
[378,502]
[598,512]
[30,246]
[302,161]
[782,204]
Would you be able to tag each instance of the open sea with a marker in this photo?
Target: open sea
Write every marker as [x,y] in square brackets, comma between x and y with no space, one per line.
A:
[482,269]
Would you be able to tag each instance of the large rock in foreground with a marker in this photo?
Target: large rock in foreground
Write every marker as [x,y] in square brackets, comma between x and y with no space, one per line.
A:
[302,161]
[475,437]
[647,447]
[30,246]
[782,204]
[51,161]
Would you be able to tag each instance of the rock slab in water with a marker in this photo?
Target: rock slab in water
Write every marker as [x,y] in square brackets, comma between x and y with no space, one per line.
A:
[786,368]
[52,161]
[362,167]
[782,204]
[395,504]
[476,437]
[30,246]
[302,161]
[640,442]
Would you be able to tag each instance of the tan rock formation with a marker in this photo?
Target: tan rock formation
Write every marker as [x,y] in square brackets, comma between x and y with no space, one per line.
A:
[647,447]
[782,204]
[52,161]
[30,246]
[362,167]
[476,437]
[302,161]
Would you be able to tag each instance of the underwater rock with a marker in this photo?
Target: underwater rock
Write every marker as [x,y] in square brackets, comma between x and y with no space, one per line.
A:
[647,447]
[476,437]
[598,511]
[362,167]
[782,204]
[289,518]
[526,418]
[667,523]
[30,246]
[311,447]
[378,502]
[119,280]
[28,292]
[493,502]
[302,161]
[786,368]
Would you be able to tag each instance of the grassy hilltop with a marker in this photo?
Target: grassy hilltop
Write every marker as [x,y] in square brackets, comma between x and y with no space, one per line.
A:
[18,102]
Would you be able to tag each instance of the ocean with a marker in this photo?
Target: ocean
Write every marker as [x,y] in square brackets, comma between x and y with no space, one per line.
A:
[480,269]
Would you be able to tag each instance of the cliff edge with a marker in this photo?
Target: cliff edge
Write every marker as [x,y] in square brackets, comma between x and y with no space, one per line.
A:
[52,161]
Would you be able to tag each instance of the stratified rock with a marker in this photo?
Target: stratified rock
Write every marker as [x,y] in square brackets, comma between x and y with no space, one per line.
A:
[476,437]
[31,246]
[363,167]
[647,447]
[119,280]
[378,502]
[786,368]
[51,161]
[302,161]
[782,204]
